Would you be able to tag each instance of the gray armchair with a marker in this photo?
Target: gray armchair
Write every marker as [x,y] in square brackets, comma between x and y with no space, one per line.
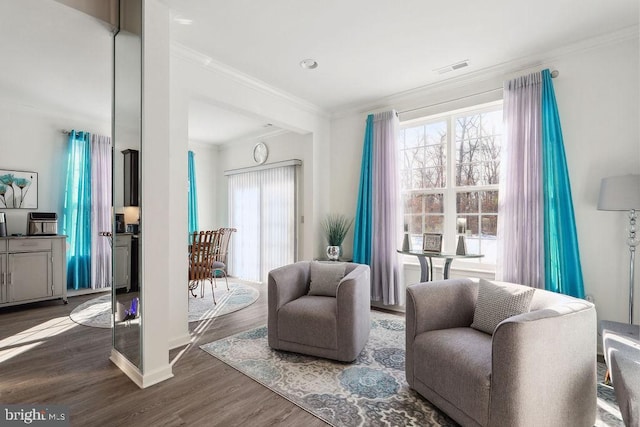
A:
[325,326]
[537,369]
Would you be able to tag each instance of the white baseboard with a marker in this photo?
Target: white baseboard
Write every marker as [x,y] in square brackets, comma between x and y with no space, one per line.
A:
[132,371]
[179,341]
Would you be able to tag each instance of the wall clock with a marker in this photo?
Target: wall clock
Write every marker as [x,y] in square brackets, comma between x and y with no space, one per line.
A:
[260,153]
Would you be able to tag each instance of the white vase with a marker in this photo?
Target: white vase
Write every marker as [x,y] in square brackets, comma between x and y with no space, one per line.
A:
[333,253]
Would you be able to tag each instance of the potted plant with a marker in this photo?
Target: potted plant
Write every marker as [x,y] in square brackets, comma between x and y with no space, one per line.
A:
[335,227]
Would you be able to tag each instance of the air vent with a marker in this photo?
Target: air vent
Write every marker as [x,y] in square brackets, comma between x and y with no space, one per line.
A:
[452,67]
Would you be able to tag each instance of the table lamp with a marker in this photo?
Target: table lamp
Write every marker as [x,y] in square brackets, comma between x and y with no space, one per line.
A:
[622,193]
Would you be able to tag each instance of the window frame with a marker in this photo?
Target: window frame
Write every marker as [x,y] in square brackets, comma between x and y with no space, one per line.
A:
[451,190]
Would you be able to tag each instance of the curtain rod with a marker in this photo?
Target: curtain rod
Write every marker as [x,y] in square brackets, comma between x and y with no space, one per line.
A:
[292,162]
[554,74]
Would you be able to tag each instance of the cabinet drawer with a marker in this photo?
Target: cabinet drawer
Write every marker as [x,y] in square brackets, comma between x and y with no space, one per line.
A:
[28,245]
[3,245]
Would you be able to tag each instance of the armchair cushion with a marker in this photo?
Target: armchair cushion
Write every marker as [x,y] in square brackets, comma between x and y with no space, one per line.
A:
[496,303]
[325,278]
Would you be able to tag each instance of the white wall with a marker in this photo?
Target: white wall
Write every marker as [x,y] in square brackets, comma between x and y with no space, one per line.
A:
[44,92]
[32,141]
[208,81]
[286,146]
[598,97]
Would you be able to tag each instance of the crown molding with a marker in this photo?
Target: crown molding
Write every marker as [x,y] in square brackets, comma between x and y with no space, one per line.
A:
[499,70]
[249,138]
[253,138]
[181,51]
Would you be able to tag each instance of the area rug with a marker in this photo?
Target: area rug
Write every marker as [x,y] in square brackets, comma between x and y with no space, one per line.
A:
[372,391]
[97,312]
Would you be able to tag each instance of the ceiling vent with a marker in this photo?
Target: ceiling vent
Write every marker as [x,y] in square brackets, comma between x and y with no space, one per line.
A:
[452,67]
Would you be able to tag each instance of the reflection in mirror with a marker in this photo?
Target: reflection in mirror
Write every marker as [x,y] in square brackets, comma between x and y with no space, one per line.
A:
[127,304]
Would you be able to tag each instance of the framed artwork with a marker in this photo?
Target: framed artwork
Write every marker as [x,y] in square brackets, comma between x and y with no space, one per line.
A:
[18,189]
[432,242]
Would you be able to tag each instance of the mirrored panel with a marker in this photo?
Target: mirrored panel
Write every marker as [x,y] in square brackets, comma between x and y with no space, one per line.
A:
[127,113]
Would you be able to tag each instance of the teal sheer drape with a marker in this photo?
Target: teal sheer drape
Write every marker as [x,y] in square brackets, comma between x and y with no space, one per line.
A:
[363,219]
[193,195]
[77,211]
[563,272]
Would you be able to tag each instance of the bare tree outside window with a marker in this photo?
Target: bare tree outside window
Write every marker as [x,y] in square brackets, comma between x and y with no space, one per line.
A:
[475,166]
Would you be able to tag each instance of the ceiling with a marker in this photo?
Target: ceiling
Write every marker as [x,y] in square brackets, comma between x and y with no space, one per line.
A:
[366,49]
[369,49]
[211,124]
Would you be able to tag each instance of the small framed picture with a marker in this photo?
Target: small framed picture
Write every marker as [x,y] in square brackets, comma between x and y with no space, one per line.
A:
[432,242]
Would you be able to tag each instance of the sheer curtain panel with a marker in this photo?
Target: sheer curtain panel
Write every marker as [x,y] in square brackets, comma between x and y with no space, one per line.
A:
[520,230]
[101,164]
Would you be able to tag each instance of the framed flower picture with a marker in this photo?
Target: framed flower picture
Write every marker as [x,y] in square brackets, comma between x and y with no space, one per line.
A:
[18,189]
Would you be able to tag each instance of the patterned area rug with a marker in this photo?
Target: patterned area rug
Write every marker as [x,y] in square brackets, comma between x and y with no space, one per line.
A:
[97,312]
[372,391]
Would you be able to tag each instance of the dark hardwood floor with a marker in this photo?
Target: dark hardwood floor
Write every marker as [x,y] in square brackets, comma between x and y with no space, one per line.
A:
[45,358]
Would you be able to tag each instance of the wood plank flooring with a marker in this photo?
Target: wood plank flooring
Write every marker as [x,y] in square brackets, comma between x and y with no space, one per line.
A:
[45,358]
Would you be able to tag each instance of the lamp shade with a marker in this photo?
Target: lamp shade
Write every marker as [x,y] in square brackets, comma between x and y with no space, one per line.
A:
[619,193]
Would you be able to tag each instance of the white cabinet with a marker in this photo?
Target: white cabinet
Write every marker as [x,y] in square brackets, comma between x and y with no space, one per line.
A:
[3,278]
[32,269]
[122,258]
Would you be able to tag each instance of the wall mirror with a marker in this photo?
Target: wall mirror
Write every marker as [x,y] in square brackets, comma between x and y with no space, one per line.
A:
[127,238]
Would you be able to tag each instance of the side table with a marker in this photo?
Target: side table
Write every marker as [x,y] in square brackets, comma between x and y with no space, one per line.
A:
[621,344]
[426,262]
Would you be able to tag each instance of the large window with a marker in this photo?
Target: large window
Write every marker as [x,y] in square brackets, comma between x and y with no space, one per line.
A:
[450,169]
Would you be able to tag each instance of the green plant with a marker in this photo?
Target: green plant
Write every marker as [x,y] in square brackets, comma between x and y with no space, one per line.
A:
[336,227]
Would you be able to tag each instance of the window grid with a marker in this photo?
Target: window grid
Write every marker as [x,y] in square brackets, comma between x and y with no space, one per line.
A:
[463,150]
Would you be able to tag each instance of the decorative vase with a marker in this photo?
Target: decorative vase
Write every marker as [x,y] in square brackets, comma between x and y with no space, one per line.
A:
[461,249]
[333,253]
[405,243]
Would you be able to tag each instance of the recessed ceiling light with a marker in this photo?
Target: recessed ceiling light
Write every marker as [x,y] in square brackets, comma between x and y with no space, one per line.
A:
[182,20]
[309,64]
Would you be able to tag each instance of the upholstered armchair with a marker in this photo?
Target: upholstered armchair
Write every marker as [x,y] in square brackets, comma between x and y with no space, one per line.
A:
[309,320]
[537,368]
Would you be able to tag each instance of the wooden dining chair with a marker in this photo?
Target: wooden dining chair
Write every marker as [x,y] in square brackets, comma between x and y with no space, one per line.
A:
[221,253]
[201,257]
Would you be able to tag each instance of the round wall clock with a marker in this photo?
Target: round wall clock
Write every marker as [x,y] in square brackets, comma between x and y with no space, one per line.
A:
[260,153]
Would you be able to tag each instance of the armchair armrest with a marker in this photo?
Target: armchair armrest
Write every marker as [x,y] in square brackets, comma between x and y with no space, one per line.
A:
[353,311]
[285,284]
[521,347]
[353,296]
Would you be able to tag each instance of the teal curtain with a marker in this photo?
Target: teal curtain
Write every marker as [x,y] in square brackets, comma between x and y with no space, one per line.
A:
[563,272]
[364,213]
[77,211]
[193,195]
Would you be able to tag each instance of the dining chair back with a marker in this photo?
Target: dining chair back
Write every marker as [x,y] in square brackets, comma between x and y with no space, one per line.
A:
[202,250]
[222,251]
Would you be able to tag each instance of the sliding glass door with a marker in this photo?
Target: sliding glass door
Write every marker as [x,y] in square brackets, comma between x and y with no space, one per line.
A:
[262,207]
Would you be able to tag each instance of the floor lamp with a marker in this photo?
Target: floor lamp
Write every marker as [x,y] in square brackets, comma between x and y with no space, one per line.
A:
[622,193]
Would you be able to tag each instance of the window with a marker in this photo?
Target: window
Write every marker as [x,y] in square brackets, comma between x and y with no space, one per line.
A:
[450,169]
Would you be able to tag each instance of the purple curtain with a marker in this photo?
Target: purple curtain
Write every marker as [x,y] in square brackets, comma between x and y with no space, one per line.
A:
[385,207]
[521,207]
